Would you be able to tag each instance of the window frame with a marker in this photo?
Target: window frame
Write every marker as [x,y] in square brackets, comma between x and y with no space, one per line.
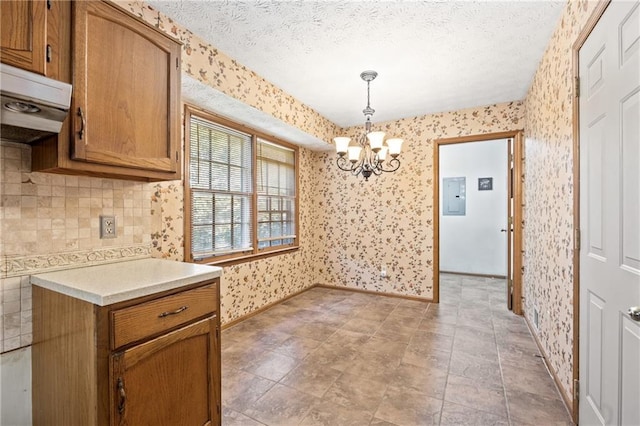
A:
[256,252]
[262,191]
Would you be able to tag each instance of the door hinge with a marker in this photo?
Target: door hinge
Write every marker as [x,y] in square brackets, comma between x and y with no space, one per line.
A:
[48,53]
[576,389]
[49,4]
[576,86]
[576,239]
[177,64]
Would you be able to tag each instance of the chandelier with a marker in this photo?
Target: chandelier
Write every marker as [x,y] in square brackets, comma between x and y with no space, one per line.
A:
[369,155]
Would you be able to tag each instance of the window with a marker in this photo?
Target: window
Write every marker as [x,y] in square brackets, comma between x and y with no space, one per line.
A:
[276,195]
[241,191]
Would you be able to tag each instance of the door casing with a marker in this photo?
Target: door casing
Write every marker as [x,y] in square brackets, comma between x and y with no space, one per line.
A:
[582,38]
[517,136]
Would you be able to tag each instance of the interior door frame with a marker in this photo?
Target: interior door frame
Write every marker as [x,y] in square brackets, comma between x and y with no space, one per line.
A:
[575,53]
[509,227]
[518,178]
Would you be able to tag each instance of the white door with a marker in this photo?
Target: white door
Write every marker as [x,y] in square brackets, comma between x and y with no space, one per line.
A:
[609,218]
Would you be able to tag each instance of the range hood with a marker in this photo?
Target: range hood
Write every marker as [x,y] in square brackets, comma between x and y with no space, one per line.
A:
[33,106]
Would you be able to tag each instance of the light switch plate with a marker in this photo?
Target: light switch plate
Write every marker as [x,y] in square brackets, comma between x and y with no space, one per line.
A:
[107,226]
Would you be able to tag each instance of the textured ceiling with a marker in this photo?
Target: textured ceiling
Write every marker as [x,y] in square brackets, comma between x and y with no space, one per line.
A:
[431,56]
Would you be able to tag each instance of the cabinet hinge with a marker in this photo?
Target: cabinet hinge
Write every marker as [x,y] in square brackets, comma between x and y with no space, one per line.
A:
[48,53]
[576,239]
[576,389]
[49,4]
[576,86]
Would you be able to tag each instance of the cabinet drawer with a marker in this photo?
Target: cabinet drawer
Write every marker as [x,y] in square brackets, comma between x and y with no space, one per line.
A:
[147,319]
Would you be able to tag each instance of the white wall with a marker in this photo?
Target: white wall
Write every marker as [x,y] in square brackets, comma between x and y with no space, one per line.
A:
[15,388]
[473,243]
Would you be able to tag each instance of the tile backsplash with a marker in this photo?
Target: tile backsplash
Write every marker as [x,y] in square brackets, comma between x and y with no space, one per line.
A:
[48,213]
[50,221]
[15,307]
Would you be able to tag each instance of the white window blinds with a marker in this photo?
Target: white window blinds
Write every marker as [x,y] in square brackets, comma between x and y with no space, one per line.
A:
[221,183]
[276,190]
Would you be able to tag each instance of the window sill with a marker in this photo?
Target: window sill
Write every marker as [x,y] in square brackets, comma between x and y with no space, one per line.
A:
[248,257]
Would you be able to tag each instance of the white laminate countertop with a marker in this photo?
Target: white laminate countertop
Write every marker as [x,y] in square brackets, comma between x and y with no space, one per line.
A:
[117,282]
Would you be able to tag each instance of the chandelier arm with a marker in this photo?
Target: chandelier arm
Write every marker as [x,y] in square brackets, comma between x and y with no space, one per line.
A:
[377,170]
[393,164]
[344,164]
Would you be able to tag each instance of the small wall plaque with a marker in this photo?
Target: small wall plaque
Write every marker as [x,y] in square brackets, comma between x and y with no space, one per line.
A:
[485,184]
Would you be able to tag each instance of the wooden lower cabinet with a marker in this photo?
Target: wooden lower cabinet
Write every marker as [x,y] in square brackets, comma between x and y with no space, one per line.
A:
[85,374]
[146,391]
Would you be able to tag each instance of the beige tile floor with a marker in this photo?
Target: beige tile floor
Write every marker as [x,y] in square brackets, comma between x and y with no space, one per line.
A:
[335,357]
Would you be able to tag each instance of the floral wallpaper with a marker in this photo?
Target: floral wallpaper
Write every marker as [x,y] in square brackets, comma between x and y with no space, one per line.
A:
[248,286]
[167,220]
[548,240]
[388,221]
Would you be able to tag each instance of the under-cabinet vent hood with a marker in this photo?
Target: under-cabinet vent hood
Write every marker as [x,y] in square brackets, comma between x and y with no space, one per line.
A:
[33,106]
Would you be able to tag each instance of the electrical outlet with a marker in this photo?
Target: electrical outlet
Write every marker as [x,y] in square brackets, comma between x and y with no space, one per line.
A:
[107,226]
[383,271]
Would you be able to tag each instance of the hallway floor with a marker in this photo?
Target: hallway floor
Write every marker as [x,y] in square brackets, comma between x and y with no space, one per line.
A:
[335,357]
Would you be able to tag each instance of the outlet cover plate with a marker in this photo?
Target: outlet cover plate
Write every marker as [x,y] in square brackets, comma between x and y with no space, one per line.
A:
[107,226]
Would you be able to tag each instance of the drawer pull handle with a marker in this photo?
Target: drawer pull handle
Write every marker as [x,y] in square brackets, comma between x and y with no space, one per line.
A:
[177,311]
[122,394]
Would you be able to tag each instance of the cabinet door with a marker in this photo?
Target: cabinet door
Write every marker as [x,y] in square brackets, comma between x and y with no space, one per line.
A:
[171,380]
[23,34]
[126,78]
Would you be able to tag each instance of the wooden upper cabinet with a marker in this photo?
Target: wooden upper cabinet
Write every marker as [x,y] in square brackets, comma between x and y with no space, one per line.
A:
[126,84]
[23,32]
